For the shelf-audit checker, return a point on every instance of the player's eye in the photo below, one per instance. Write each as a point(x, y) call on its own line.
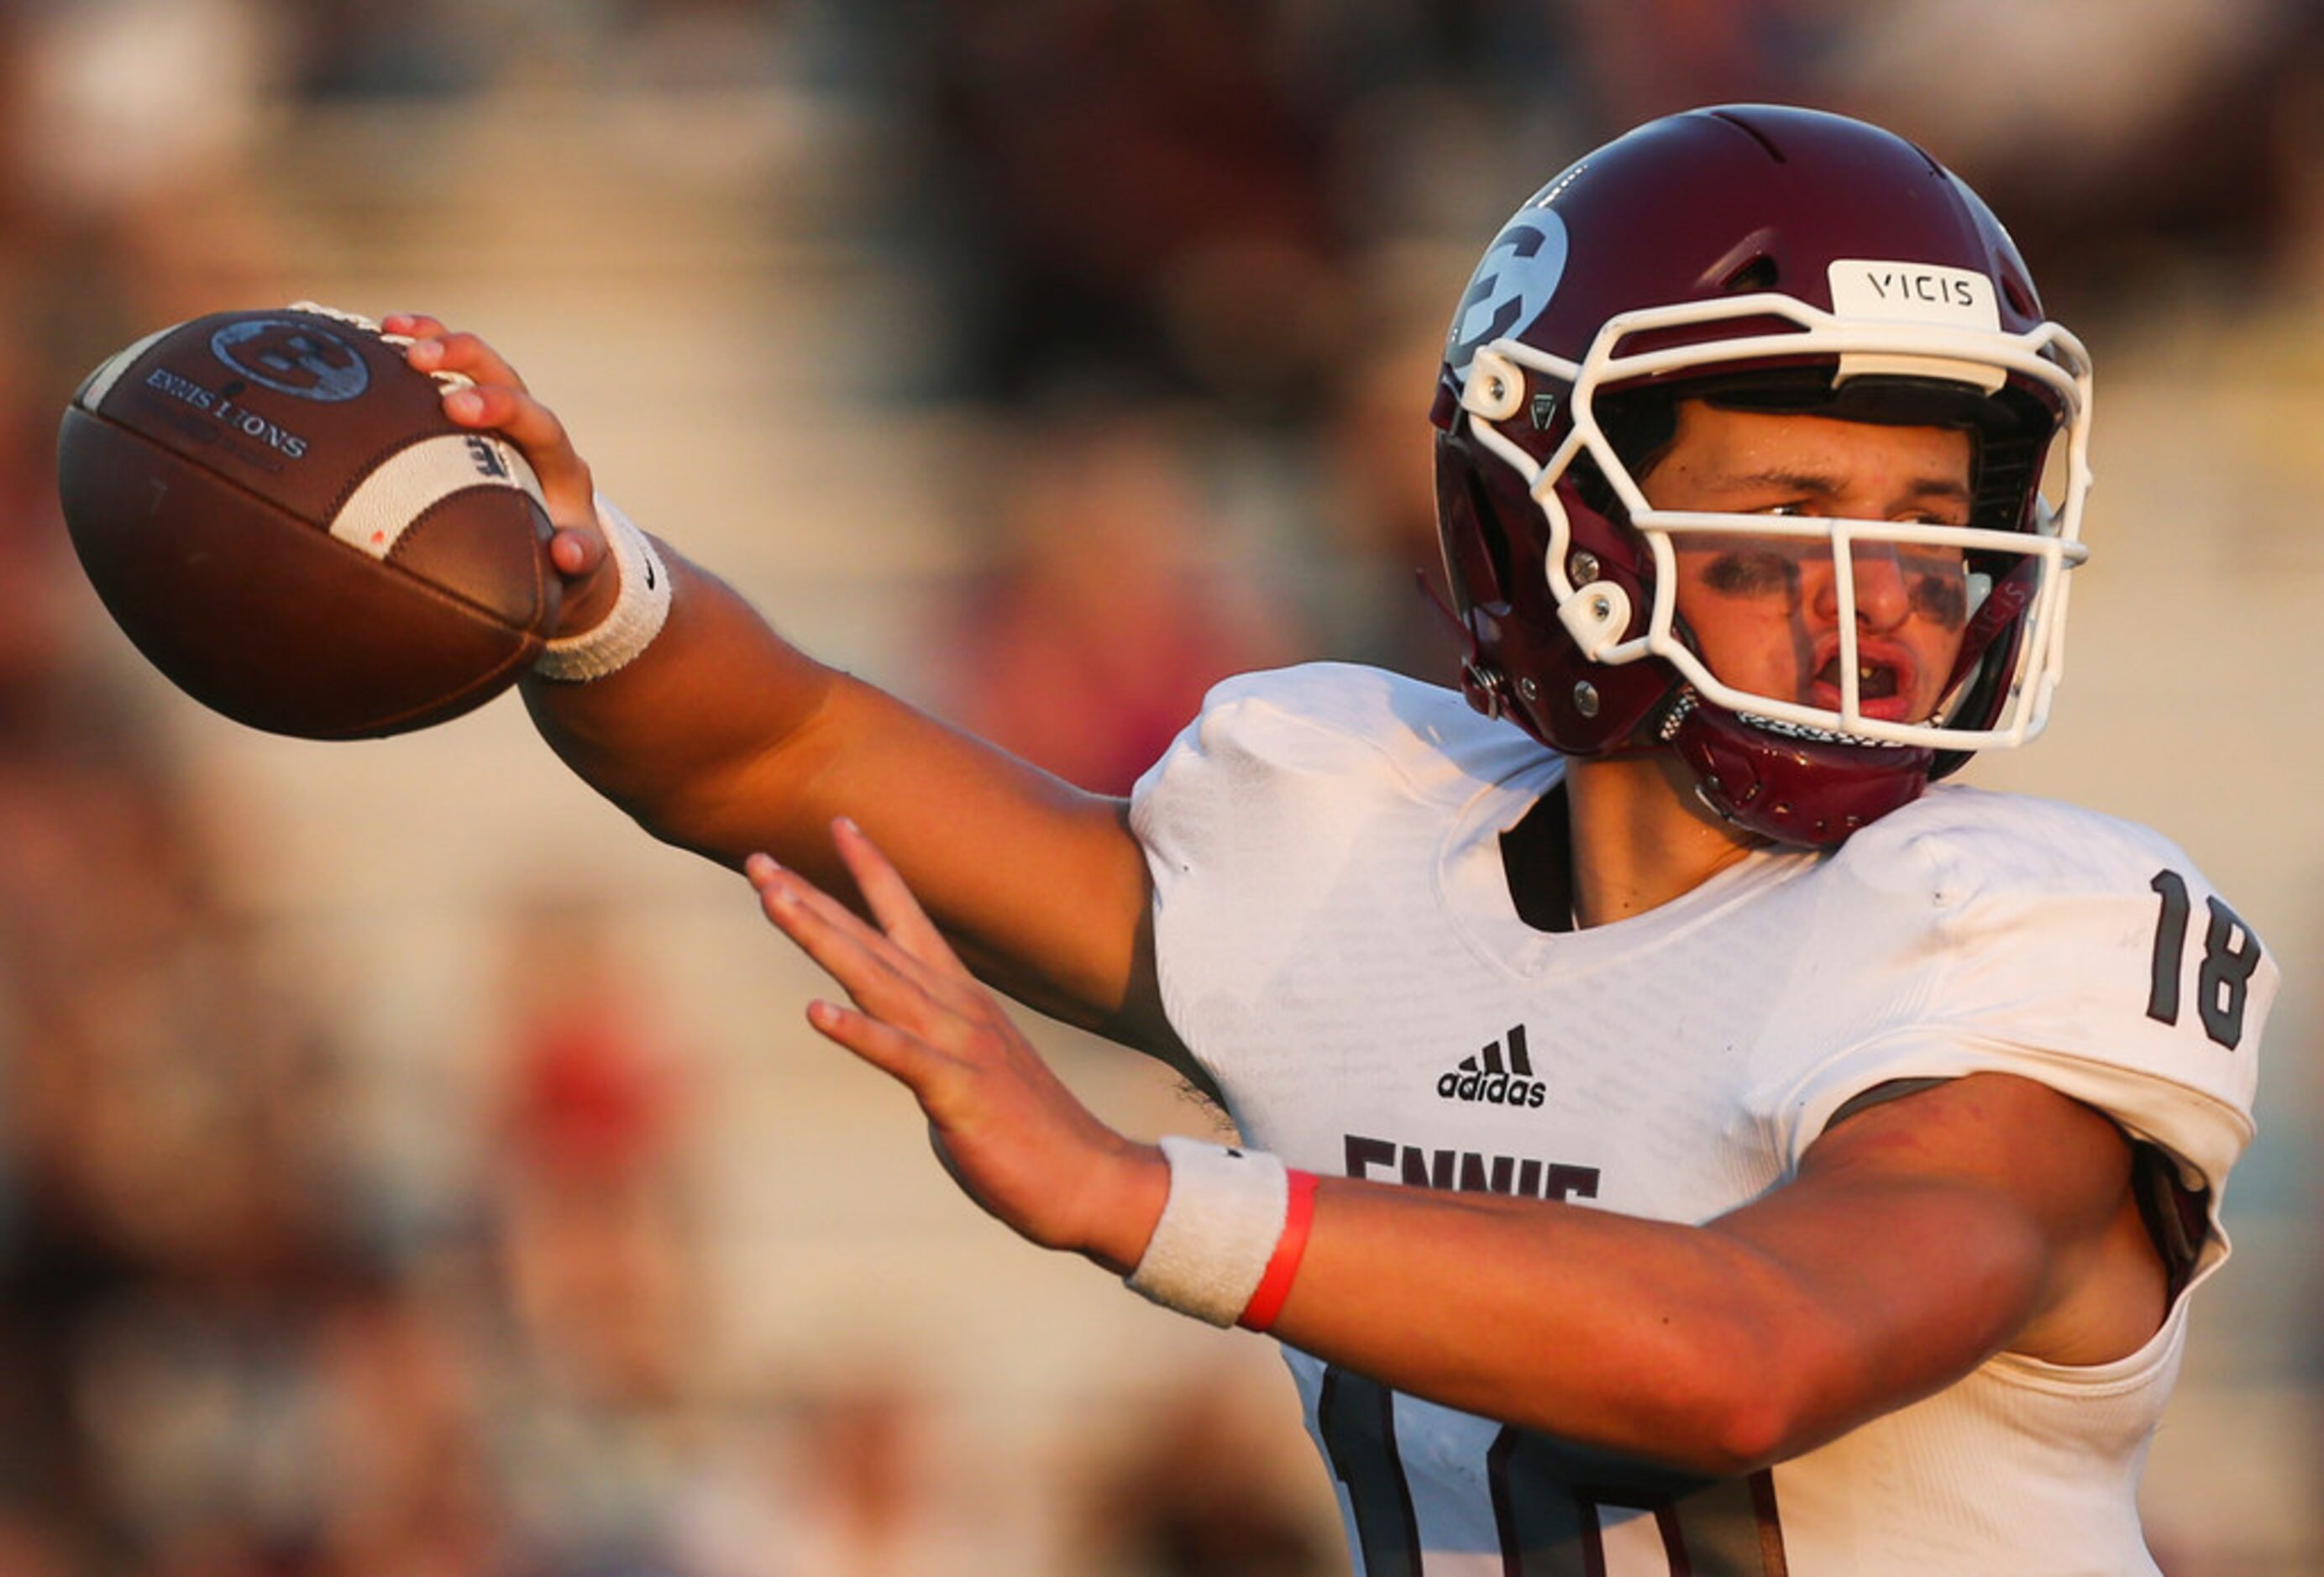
point(1944, 512)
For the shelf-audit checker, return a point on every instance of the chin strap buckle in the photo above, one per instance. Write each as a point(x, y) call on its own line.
point(1480, 682)
point(1487, 689)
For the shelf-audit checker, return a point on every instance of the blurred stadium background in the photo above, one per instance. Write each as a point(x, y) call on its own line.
point(406, 1167)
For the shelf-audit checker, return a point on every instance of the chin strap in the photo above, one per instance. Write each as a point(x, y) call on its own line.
point(1682, 702)
point(1796, 791)
point(2004, 606)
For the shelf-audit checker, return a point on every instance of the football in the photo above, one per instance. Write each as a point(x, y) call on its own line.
point(276, 510)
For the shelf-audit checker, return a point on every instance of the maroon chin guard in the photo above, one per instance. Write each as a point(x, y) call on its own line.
point(1808, 792)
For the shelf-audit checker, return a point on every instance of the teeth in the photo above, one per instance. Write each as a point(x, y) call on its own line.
point(1876, 680)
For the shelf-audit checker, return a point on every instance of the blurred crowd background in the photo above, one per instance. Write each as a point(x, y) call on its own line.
point(408, 1170)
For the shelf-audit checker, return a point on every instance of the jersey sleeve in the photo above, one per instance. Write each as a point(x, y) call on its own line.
point(1255, 781)
point(1286, 770)
point(2061, 947)
point(1279, 809)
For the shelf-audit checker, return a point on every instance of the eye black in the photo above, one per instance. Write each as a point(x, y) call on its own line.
point(1942, 599)
point(1750, 574)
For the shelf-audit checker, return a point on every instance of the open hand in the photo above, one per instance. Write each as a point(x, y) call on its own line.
point(1012, 1136)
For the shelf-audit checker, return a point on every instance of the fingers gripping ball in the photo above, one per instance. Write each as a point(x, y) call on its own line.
point(279, 514)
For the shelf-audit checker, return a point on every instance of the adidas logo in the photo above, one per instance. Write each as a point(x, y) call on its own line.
point(1483, 1077)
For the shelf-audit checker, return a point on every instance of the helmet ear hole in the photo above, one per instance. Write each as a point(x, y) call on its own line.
point(1494, 540)
point(1476, 547)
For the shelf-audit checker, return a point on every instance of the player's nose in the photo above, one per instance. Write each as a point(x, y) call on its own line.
point(1877, 578)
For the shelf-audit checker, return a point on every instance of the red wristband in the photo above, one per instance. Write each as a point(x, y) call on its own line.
point(1275, 1282)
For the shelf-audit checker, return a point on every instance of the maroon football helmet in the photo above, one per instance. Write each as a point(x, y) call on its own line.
point(1771, 258)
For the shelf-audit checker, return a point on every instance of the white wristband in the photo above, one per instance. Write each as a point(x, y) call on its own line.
point(1218, 1229)
point(641, 606)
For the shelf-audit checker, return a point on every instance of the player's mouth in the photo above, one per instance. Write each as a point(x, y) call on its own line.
point(1887, 680)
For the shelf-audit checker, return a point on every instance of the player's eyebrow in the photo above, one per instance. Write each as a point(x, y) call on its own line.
point(1822, 485)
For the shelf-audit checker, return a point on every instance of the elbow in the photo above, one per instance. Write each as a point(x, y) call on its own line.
point(1747, 1403)
point(1769, 1372)
point(1749, 1431)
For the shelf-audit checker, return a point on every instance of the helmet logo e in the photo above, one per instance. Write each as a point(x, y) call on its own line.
point(1512, 286)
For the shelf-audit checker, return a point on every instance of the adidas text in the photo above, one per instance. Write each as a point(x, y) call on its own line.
point(1487, 1079)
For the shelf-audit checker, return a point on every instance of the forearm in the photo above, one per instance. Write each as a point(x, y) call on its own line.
point(723, 738)
point(670, 736)
point(1639, 1337)
point(1714, 1348)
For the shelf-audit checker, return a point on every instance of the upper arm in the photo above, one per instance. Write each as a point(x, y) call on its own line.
point(1923, 1235)
point(725, 739)
point(2095, 1042)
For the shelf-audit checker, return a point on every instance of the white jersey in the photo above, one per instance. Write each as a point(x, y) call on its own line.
point(1337, 947)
